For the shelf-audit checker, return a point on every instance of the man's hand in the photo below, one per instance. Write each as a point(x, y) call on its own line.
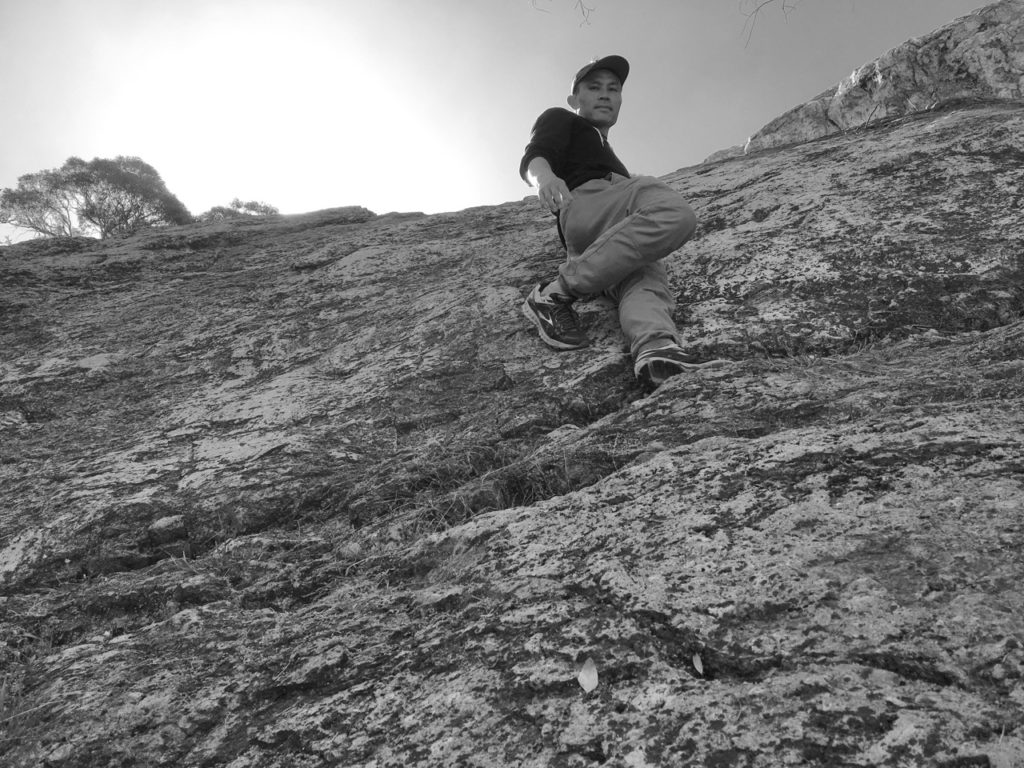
point(551, 190)
point(553, 194)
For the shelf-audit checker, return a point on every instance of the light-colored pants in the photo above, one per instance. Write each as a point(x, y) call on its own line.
point(616, 232)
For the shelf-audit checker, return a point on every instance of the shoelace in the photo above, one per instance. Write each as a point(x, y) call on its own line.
point(563, 316)
point(667, 355)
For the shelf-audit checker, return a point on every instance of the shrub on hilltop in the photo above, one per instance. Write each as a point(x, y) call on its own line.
point(236, 210)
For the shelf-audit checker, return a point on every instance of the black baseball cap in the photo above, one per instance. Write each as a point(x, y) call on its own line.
point(616, 64)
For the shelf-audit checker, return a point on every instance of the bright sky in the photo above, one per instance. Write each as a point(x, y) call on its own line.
point(408, 105)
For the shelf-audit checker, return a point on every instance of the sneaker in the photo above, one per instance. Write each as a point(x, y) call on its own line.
point(654, 366)
point(556, 320)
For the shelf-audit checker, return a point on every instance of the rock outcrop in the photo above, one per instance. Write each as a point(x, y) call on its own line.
point(977, 56)
point(308, 491)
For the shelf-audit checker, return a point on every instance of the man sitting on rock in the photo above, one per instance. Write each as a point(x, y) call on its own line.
point(615, 228)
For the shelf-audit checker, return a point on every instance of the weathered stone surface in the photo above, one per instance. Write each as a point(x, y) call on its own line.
point(874, 233)
point(309, 491)
point(978, 56)
point(725, 154)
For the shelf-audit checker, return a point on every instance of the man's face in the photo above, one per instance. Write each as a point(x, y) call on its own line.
point(598, 98)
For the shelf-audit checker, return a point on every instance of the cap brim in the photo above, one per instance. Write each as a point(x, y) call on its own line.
point(617, 65)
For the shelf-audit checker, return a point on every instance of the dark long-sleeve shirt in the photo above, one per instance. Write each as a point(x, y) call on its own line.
point(575, 149)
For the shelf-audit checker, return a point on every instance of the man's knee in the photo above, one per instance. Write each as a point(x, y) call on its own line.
point(685, 222)
point(677, 220)
point(675, 216)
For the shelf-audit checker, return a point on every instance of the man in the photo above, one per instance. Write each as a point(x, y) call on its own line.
point(616, 229)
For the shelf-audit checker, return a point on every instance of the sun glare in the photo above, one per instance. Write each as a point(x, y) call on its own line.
point(267, 103)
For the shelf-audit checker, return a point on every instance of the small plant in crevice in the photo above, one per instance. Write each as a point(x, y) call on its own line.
point(519, 483)
point(21, 715)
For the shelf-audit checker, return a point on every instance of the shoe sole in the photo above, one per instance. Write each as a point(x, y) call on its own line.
point(648, 381)
point(553, 343)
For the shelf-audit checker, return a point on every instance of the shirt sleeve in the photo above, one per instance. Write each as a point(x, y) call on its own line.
point(549, 139)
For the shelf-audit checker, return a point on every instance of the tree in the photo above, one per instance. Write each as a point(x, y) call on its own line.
point(42, 202)
point(103, 197)
point(122, 195)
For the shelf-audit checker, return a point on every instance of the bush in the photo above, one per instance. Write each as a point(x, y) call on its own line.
point(236, 210)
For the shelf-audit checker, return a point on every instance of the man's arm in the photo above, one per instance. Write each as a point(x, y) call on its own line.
point(551, 190)
point(549, 143)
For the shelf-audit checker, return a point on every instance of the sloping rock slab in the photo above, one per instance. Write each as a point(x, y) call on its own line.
point(978, 56)
point(309, 491)
point(843, 589)
point(911, 223)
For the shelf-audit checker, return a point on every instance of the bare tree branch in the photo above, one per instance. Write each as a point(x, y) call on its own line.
point(584, 10)
point(752, 8)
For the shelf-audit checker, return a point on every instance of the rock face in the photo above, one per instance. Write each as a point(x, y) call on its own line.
point(977, 56)
point(308, 491)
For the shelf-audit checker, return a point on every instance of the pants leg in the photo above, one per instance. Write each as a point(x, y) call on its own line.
point(645, 304)
point(612, 228)
point(616, 233)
